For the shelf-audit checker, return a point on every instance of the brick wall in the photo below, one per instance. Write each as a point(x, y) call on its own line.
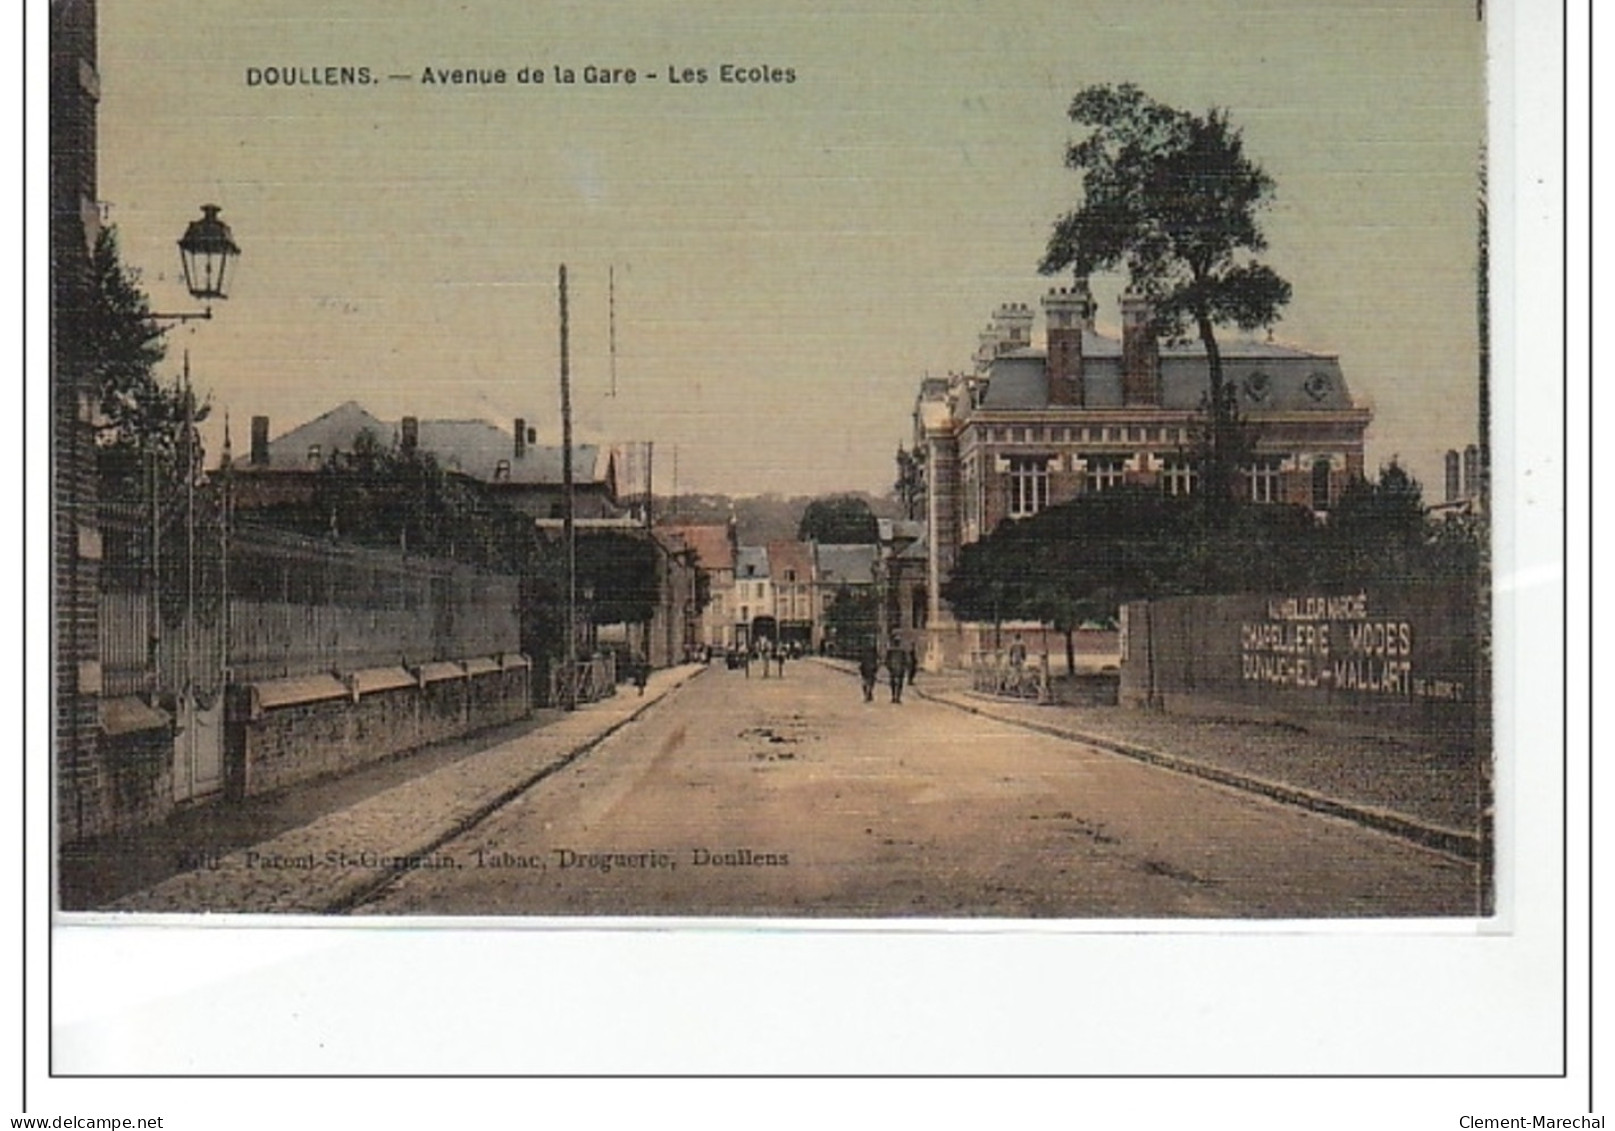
point(84, 782)
point(129, 785)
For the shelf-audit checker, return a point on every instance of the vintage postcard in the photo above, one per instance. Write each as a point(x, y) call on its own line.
point(992, 467)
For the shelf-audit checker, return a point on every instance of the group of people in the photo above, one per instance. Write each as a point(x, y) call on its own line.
point(900, 663)
point(765, 651)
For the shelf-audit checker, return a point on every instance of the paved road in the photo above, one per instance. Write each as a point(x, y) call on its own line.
point(752, 797)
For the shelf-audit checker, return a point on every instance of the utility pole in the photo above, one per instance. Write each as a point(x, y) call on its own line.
point(650, 483)
point(611, 312)
point(568, 532)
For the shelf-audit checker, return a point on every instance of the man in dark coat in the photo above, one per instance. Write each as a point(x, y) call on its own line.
point(896, 669)
point(868, 669)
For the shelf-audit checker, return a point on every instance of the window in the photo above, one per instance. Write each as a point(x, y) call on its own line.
point(1104, 472)
point(1028, 485)
point(1019, 435)
point(314, 455)
point(1320, 485)
point(501, 471)
point(790, 575)
point(1263, 477)
point(1179, 476)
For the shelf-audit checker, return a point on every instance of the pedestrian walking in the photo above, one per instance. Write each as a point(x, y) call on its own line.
point(896, 670)
point(868, 670)
point(641, 673)
point(913, 665)
point(779, 658)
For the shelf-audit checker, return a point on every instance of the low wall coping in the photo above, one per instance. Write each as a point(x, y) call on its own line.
point(298, 689)
point(380, 679)
point(482, 665)
point(509, 660)
point(127, 714)
point(441, 670)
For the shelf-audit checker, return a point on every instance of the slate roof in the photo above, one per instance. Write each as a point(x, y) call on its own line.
point(751, 563)
point(472, 447)
point(917, 551)
point(899, 529)
point(1269, 377)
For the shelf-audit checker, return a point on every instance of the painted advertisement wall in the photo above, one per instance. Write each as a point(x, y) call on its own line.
point(1396, 657)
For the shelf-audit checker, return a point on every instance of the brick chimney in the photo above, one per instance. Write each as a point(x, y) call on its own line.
point(521, 438)
point(409, 435)
point(258, 454)
point(1067, 312)
point(1141, 353)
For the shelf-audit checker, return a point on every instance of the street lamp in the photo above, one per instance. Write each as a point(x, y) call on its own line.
point(207, 252)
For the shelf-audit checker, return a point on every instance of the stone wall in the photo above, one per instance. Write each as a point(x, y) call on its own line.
point(281, 732)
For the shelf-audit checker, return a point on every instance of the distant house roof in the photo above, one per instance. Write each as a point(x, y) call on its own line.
point(710, 543)
point(841, 564)
point(472, 447)
point(788, 558)
point(900, 529)
point(751, 562)
point(917, 550)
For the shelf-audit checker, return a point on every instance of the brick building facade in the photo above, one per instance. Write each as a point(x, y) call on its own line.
point(1033, 427)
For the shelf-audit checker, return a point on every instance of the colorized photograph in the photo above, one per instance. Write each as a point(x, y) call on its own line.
point(796, 462)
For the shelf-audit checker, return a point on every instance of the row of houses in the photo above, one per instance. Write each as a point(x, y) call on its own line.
point(780, 591)
point(784, 591)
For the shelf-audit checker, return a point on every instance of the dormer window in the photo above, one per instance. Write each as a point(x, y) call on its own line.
point(501, 471)
point(314, 455)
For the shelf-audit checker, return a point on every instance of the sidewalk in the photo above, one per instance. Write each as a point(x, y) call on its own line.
point(335, 860)
point(1413, 790)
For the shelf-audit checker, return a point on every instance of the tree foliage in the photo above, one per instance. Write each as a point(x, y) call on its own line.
point(147, 434)
point(1082, 559)
point(838, 520)
point(1172, 198)
point(852, 620)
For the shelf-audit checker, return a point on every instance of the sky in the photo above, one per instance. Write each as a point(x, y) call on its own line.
point(790, 257)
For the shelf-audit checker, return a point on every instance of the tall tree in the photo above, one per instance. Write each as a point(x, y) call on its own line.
point(143, 421)
point(1172, 197)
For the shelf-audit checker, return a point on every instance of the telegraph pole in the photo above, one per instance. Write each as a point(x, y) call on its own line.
point(568, 532)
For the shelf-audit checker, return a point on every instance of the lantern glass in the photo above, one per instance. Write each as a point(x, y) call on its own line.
point(206, 253)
